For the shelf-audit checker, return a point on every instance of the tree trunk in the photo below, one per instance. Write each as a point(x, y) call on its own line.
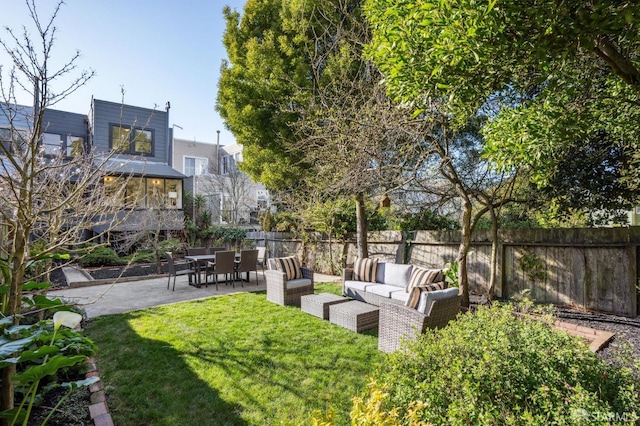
point(361, 228)
point(7, 397)
point(15, 298)
point(494, 252)
point(465, 243)
point(332, 267)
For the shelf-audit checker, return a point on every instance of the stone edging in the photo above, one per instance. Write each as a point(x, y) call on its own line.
point(79, 284)
point(98, 409)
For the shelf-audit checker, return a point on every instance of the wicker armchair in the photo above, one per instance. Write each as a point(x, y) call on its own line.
point(399, 322)
point(285, 292)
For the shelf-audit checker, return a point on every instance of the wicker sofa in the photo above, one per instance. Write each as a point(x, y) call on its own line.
point(391, 284)
point(398, 323)
point(434, 308)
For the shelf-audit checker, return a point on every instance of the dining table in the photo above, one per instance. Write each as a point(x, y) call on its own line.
point(200, 261)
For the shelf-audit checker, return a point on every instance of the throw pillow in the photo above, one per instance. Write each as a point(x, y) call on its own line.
point(290, 266)
point(365, 270)
point(422, 279)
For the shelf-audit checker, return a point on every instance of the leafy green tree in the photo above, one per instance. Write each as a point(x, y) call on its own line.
point(551, 73)
point(309, 109)
point(546, 74)
point(266, 63)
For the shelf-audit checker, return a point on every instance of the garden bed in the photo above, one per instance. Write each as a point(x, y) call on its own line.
point(137, 270)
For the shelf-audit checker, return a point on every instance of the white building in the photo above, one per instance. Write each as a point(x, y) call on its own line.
point(231, 196)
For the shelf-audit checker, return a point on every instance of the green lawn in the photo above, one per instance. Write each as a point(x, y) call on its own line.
point(236, 360)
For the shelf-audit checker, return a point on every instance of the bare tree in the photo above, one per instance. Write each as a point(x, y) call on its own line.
point(49, 201)
point(236, 192)
point(151, 226)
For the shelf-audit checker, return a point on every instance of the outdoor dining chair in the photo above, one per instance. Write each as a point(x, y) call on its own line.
point(248, 262)
point(173, 272)
point(224, 264)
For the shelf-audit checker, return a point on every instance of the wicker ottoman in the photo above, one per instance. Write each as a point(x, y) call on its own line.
point(354, 315)
point(318, 304)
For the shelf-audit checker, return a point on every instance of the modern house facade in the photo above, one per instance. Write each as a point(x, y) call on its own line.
point(131, 149)
point(232, 198)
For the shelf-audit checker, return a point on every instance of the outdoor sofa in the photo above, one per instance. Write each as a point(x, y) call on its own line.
point(411, 298)
point(390, 283)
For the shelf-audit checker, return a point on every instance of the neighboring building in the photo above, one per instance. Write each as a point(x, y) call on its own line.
point(141, 137)
point(211, 170)
point(193, 158)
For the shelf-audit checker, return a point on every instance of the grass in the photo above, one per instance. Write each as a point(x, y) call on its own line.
point(230, 360)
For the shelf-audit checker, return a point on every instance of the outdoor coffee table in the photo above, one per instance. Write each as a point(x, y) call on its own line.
point(318, 304)
point(354, 315)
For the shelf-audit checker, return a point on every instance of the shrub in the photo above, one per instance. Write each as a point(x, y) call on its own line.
point(99, 256)
point(145, 256)
point(173, 245)
point(495, 368)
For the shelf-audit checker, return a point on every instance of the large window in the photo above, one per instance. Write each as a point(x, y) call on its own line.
point(195, 166)
point(74, 146)
point(51, 143)
point(13, 139)
point(139, 192)
point(131, 141)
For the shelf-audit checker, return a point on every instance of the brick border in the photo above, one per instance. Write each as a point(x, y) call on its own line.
point(597, 339)
point(98, 409)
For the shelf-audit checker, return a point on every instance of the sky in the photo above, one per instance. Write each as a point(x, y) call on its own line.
point(154, 50)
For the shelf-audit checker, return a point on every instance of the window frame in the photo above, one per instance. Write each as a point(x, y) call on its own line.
point(132, 139)
point(196, 162)
point(72, 148)
point(46, 140)
point(139, 193)
point(17, 137)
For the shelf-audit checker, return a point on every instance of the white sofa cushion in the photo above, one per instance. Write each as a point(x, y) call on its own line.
point(384, 290)
point(397, 274)
point(357, 285)
point(428, 297)
point(300, 282)
point(400, 295)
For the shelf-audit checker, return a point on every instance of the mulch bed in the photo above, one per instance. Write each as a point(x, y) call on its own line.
point(110, 272)
point(138, 270)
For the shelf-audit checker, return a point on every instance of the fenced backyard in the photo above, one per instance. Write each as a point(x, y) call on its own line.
point(586, 268)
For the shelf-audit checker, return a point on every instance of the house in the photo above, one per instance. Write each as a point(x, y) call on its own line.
point(131, 147)
point(141, 138)
point(211, 169)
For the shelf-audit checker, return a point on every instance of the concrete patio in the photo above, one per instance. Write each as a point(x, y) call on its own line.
point(125, 296)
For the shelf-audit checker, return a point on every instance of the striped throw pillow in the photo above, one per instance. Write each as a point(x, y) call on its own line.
point(422, 279)
point(365, 270)
point(290, 266)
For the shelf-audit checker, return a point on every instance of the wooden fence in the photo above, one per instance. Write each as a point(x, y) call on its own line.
point(593, 269)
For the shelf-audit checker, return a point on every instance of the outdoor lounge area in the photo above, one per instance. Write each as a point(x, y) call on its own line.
point(245, 358)
point(465, 173)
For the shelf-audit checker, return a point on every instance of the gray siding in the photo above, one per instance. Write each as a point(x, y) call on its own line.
point(64, 124)
point(20, 115)
point(107, 113)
